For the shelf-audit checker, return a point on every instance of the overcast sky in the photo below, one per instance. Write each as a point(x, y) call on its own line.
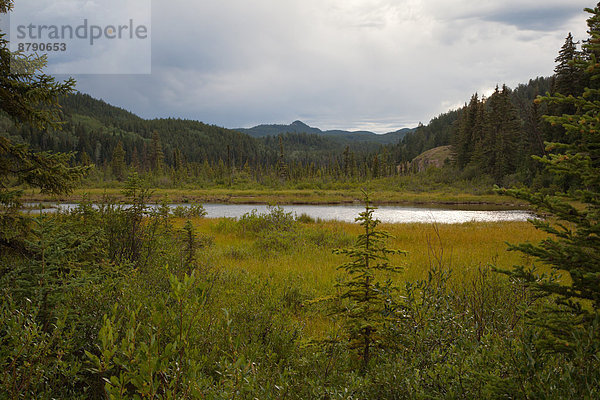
point(353, 64)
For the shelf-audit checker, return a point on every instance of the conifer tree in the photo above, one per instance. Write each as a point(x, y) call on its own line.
point(364, 314)
point(282, 168)
point(502, 132)
point(156, 153)
point(568, 76)
point(573, 247)
point(375, 167)
point(590, 53)
point(464, 139)
point(135, 160)
point(85, 159)
point(569, 79)
point(190, 244)
point(118, 161)
point(347, 166)
point(29, 97)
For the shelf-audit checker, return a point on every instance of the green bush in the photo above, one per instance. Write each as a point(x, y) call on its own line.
point(274, 220)
point(191, 211)
point(305, 219)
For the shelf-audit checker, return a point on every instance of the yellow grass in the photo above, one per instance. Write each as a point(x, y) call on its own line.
point(299, 196)
point(464, 247)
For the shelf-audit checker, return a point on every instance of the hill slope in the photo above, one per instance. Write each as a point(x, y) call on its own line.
point(337, 135)
point(93, 128)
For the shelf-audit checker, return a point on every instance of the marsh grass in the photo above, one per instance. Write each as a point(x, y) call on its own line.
point(304, 255)
point(466, 248)
point(306, 265)
point(385, 195)
point(242, 323)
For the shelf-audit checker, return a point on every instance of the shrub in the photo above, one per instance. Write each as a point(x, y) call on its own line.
point(275, 219)
point(305, 219)
point(192, 211)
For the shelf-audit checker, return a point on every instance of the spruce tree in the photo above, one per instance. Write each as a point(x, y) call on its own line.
point(347, 165)
point(27, 95)
point(32, 98)
point(156, 154)
point(282, 167)
point(568, 76)
point(572, 219)
point(362, 297)
point(502, 133)
point(118, 161)
point(569, 80)
point(589, 52)
point(464, 140)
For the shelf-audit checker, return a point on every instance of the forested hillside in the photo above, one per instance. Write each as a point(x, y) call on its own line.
point(340, 136)
point(121, 298)
point(485, 129)
point(115, 140)
point(493, 140)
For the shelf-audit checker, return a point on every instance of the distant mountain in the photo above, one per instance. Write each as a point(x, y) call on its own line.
point(274, 129)
point(337, 135)
point(93, 128)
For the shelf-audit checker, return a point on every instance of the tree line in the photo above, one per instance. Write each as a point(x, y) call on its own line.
point(493, 136)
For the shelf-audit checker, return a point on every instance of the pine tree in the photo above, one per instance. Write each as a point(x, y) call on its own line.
point(590, 53)
point(499, 152)
point(190, 245)
point(135, 161)
point(569, 79)
point(85, 159)
point(347, 165)
point(29, 97)
point(282, 168)
point(532, 142)
point(465, 137)
point(375, 166)
point(98, 153)
point(568, 76)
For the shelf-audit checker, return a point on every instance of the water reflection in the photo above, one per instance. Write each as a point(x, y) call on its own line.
point(348, 213)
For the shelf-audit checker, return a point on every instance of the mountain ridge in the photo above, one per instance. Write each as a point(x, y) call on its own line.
point(263, 130)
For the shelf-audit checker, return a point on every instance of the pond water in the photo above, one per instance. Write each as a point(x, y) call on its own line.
point(348, 213)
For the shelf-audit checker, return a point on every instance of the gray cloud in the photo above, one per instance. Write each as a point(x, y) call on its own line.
point(354, 64)
point(538, 19)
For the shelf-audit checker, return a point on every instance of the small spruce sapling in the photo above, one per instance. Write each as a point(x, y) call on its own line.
point(363, 299)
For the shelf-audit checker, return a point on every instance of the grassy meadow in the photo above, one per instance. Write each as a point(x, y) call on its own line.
point(434, 187)
point(164, 303)
point(463, 247)
point(305, 259)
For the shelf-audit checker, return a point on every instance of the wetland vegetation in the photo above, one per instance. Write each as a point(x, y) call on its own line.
point(114, 299)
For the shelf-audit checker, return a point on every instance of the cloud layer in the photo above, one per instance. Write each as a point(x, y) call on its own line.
point(352, 64)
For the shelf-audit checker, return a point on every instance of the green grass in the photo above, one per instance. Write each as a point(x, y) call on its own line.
point(250, 320)
point(286, 196)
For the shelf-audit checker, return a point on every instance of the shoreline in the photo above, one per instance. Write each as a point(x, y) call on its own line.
point(284, 197)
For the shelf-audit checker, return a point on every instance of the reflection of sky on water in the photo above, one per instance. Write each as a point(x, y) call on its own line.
point(348, 213)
